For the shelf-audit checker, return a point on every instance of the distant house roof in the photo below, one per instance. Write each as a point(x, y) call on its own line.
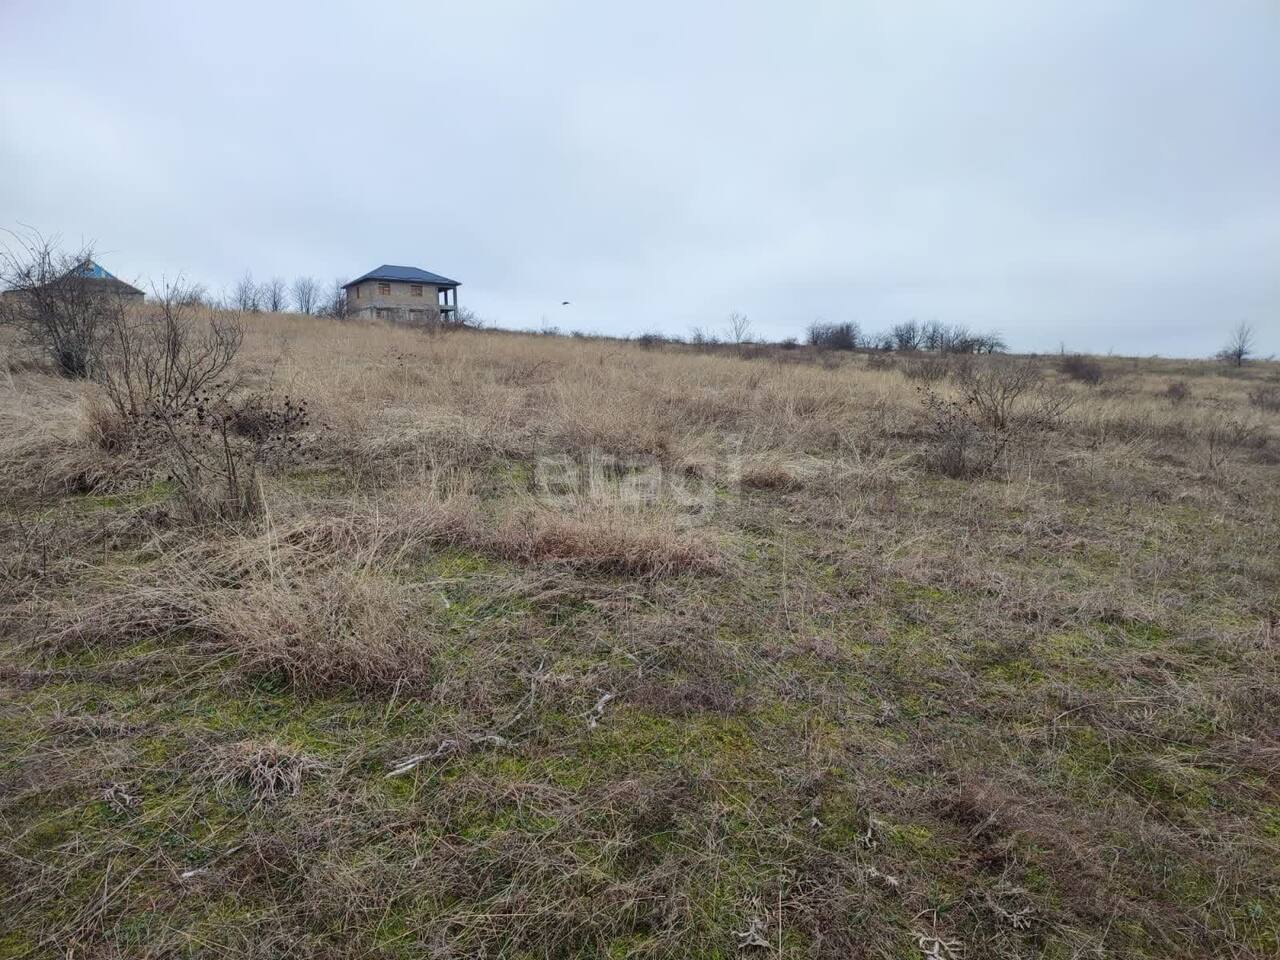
point(106, 280)
point(405, 275)
point(95, 271)
point(96, 278)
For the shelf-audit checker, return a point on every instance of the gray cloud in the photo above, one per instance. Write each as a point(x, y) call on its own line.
point(1099, 173)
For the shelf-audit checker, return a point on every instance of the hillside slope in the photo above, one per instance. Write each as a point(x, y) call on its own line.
point(569, 648)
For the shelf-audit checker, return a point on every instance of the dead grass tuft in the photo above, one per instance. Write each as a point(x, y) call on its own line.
point(269, 770)
point(603, 539)
point(766, 474)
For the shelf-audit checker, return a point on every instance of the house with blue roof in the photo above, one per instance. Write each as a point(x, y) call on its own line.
point(402, 295)
point(87, 276)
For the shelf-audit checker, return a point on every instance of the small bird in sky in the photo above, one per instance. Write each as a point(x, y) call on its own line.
point(564, 303)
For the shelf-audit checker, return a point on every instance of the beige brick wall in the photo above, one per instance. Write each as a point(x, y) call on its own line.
point(401, 295)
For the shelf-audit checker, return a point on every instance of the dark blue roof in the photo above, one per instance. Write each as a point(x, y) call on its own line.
point(404, 274)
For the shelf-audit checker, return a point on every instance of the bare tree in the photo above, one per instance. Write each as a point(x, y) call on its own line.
point(168, 354)
point(247, 295)
point(275, 297)
point(992, 342)
point(907, 336)
point(335, 305)
point(834, 336)
point(1240, 347)
point(739, 328)
point(932, 335)
point(193, 294)
point(52, 303)
point(956, 338)
point(306, 293)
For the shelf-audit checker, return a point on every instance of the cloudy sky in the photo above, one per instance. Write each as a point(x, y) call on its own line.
point(1104, 174)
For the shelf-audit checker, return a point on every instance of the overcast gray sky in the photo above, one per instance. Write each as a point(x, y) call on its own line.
point(1101, 173)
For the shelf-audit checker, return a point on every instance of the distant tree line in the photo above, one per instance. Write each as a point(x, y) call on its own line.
point(906, 337)
point(304, 295)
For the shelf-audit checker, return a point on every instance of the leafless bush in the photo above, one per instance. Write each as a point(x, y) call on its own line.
point(1002, 403)
point(464, 318)
point(962, 443)
point(215, 449)
point(927, 369)
point(651, 339)
point(1081, 368)
point(703, 340)
point(995, 391)
point(1265, 398)
point(262, 416)
point(163, 356)
point(52, 304)
point(1177, 392)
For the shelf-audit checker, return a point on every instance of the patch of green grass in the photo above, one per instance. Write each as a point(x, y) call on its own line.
point(156, 492)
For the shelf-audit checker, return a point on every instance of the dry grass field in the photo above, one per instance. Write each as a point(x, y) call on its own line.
point(543, 647)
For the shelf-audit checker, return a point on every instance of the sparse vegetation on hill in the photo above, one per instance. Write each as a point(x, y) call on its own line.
point(529, 646)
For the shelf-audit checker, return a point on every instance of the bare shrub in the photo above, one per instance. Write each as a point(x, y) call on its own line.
point(1081, 368)
point(996, 391)
point(163, 356)
point(703, 340)
point(1266, 398)
point(1177, 392)
point(215, 448)
point(962, 443)
point(52, 304)
point(463, 318)
point(926, 369)
point(263, 416)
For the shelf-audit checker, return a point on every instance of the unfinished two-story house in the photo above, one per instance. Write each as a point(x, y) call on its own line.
point(403, 295)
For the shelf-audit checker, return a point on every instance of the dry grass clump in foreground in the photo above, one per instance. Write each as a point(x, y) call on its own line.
point(578, 649)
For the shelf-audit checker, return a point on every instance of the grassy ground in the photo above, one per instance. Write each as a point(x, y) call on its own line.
point(570, 648)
